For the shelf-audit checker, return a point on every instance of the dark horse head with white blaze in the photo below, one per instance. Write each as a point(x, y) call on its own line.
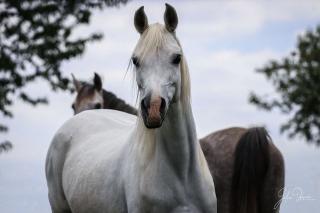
point(158, 59)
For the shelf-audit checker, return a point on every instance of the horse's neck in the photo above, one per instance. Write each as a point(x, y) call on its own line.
point(111, 101)
point(174, 143)
point(177, 139)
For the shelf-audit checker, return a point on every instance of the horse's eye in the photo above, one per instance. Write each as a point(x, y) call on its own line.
point(176, 59)
point(97, 106)
point(135, 61)
point(73, 107)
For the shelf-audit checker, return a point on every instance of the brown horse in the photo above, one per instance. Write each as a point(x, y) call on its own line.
point(93, 96)
point(247, 168)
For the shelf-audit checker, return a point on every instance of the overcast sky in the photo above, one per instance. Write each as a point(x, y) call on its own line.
point(224, 41)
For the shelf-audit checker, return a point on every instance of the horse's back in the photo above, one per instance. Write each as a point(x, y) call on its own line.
point(102, 121)
point(93, 130)
point(82, 145)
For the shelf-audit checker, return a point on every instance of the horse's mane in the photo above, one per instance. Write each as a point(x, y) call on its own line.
point(153, 39)
point(111, 101)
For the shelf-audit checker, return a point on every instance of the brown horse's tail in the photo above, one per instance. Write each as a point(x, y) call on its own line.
point(250, 167)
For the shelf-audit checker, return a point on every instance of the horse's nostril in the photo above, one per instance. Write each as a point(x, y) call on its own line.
point(144, 105)
point(163, 105)
point(97, 106)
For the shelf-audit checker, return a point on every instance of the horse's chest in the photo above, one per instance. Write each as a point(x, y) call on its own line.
point(167, 197)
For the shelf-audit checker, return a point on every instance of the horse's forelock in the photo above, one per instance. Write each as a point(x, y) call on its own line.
point(86, 90)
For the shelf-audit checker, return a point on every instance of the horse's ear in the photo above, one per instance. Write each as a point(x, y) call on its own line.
point(170, 18)
point(140, 20)
point(76, 83)
point(97, 82)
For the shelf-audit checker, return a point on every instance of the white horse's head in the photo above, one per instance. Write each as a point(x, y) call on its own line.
point(161, 71)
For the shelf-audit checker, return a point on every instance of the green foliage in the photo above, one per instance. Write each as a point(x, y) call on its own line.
point(296, 79)
point(35, 38)
point(5, 146)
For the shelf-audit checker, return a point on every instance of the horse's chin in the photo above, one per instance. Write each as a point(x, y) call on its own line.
point(153, 125)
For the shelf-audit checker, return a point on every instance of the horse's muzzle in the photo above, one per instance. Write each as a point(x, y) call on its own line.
point(153, 111)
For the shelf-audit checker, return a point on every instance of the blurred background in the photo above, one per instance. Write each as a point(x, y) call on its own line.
point(251, 63)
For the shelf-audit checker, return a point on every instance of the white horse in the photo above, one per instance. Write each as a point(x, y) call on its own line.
point(110, 161)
